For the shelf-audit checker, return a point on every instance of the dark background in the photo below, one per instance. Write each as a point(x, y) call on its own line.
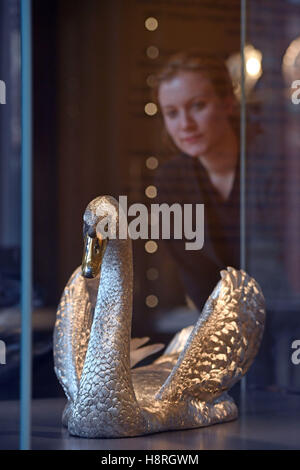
point(92, 137)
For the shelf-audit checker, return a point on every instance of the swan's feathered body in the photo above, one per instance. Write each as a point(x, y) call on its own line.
point(186, 387)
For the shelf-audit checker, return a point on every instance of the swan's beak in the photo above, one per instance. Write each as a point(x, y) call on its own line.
point(93, 253)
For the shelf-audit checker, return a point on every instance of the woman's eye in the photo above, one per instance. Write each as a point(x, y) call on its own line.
point(171, 114)
point(199, 105)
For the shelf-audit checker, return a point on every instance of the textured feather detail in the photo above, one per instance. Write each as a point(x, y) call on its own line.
point(223, 343)
point(71, 333)
point(179, 341)
point(186, 387)
point(137, 354)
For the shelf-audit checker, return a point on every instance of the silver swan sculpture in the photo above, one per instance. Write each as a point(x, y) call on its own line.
point(186, 387)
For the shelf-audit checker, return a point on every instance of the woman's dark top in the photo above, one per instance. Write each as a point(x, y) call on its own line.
point(184, 180)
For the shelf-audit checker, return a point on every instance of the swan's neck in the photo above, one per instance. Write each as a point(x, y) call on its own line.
point(106, 377)
point(111, 328)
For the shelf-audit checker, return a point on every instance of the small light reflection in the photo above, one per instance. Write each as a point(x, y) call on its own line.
point(253, 67)
point(152, 274)
point(151, 191)
point(150, 109)
point(151, 301)
point(152, 52)
point(151, 23)
point(291, 62)
point(151, 80)
point(152, 163)
point(151, 246)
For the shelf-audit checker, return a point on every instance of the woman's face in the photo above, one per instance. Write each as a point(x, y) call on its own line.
point(196, 118)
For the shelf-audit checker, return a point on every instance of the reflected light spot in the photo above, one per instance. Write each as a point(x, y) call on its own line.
point(151, 23)
point(152, 52)
point(151, 301)
point(152, 163)
point(151, 191)
point(150, 109)
point(253, 67)
point(152, 274)
point(291, 62)
point(151, 80)
point(151, 246)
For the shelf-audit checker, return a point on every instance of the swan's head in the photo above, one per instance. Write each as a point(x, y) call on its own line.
point(100, 222)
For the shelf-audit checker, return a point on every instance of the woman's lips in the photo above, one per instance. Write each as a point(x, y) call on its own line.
point(191, 139)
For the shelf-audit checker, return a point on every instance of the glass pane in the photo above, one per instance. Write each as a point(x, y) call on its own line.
point(111, 138)
point(177, 281)
point(272, 65)
point(113, 115)
point(10, 214)
point(104, 134)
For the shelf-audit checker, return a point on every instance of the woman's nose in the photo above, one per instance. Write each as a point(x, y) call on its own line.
point(186, 120)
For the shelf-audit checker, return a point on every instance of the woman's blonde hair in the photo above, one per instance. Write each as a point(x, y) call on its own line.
point(195, 61)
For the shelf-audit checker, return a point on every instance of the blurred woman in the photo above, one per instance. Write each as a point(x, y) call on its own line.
point(198, 107)
point(200, 117)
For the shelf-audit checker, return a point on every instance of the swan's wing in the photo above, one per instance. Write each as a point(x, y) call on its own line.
point(137, 353)
point(178, 343)
point(223, 343)
point(71, 333)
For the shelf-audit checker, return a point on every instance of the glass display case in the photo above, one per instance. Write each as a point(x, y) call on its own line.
point(100, 128)
point(10, 208)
